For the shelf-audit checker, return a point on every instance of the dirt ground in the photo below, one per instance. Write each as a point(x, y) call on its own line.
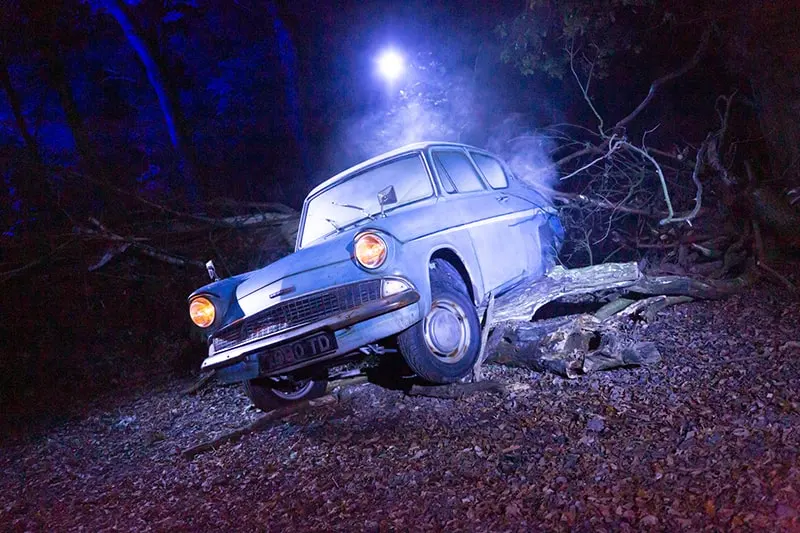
point(706, 440)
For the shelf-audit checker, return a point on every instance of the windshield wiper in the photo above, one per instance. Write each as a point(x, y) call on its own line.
point(359, 208)
point(334, 224)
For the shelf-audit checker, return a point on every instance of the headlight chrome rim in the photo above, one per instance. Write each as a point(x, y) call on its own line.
point(202, 311)
point(366, 258)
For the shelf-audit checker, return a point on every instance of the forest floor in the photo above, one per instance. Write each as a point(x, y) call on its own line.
point(707, 439)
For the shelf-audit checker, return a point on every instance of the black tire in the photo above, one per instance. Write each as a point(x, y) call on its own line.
point(266, 394)
point(447, 290)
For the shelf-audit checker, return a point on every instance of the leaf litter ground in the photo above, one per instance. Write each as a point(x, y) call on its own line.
point(708, 439)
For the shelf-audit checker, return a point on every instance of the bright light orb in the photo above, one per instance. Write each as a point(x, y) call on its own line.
point(391, 65)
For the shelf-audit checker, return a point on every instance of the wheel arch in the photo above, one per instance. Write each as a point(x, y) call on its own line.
point(454, 258)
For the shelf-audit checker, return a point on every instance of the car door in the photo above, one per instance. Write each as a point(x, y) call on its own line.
point(531, 218)
point(486, 214)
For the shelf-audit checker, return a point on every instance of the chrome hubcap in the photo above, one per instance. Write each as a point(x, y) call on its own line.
point(296, 392)
point(446, 331)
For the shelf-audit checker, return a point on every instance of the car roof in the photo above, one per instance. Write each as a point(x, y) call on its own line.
point(407, 149)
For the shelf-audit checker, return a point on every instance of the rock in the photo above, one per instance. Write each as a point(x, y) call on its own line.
point(596, 424)
point(648, 520)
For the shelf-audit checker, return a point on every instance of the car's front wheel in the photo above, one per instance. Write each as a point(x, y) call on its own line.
point(444, 346)
point(270, 393)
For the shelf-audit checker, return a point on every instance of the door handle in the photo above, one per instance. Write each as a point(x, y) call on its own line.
point(502, 198)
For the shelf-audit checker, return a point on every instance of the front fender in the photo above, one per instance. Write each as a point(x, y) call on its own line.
point(222, 294)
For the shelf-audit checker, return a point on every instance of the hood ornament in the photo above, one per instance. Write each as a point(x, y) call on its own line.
point(285, 290)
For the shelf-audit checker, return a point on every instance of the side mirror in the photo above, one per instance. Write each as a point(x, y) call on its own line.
point(212, 271)
point(387, 197)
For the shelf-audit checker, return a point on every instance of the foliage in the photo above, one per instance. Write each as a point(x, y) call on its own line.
point(539, 40)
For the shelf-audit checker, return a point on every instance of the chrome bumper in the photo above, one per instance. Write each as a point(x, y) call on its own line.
point(331, 323)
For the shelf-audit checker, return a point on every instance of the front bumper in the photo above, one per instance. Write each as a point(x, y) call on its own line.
point(361, 316)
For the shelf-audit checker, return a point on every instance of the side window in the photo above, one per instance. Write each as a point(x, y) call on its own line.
point(456, 171)
point(492, 170)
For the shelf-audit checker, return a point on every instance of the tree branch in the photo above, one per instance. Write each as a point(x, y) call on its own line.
point(232, 222)
point(585, 89)
point(612, 147)
point(144, 249)
point(698, 197)
point(686, 67)
point(662, 179)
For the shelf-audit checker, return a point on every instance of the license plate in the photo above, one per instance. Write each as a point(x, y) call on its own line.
point(294, 352)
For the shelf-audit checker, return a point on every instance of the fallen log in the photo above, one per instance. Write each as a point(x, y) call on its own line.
point(648, 308)
point(199, 383)
point(120, 244)
point(525, 299)
point(579, 344)
point(568, 346)
point(260, 424)
point(338, 392)
point(456, 391)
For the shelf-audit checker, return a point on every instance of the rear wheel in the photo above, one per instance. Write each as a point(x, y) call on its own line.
point(270, 393)
point(444, 346)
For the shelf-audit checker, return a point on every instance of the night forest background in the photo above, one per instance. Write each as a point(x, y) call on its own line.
point(140, 138)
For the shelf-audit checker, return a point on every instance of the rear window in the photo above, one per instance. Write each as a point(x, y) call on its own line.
point(456, 171)
point(492, 170)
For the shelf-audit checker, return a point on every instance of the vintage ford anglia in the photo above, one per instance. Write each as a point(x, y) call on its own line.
point(400, 250)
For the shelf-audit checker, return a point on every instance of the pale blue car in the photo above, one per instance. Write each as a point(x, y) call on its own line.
point(401, 250)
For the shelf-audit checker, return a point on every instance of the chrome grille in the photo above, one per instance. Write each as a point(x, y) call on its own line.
point(297, 312)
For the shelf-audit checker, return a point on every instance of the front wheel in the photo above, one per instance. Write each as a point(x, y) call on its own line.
point(270, 393)
point(444, 346)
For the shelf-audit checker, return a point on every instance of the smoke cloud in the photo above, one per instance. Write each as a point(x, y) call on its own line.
point(526, 152)
point(441, 106)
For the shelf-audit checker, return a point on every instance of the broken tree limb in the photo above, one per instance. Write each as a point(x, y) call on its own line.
point(338, 392)
point(523, 302)
point(259, 424)
point(612, 308)
point(684, 286)
point(266, 219)
point(568, 346)
point(477, 373)
point(574, 345)
point(648, 308)
point(261, 206)
point(625, 278)
point(199, 383)
point(456, 391)
point(124, 243)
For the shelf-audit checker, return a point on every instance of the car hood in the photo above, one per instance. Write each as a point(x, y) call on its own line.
point(327, 252)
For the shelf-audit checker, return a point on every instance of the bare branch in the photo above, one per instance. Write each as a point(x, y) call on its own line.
point(686, 67)
point(131, 242)
point(665, 190)
point(698, 198)
point(230, 222)
point(612, 147)
point(585, 89)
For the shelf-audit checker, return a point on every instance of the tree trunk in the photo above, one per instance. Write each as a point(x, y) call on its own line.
point(167, 99)
point(60, 83)
point(287, 55)
point(780, 123)
point(31, 181)
point(16, 107)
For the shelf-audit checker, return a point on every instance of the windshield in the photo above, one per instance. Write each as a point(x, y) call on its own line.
point(334, 207)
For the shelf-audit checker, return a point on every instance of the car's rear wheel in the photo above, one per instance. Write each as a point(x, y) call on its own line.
point(270, 393)
point(444, 346)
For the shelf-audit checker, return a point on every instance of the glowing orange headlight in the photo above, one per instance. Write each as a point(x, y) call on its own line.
point(202, 312)
point(370, 250)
